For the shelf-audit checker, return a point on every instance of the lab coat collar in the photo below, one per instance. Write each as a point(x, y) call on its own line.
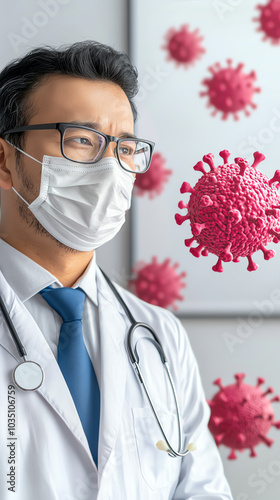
point(23, 274)
point(27, 278)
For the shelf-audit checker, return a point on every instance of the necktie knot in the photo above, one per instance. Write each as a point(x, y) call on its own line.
point(67, 302)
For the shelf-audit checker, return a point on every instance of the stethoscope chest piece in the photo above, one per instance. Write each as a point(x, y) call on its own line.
point(28, 376)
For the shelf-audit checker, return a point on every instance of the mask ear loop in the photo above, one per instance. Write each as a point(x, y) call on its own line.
point(19, 195)
point(26, 154)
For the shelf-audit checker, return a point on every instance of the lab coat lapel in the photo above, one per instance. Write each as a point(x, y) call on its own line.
point(113, 330)
point(54, 388)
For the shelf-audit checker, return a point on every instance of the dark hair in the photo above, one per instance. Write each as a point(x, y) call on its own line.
point(87, 59)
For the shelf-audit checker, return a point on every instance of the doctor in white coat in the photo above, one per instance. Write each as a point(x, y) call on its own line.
point(67, 166)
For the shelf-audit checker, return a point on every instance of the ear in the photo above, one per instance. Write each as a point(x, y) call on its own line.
point(5, 160)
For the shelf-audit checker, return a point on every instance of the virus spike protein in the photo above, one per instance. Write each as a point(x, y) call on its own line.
point(233, 211)
point(230, 90)
point(241, 416)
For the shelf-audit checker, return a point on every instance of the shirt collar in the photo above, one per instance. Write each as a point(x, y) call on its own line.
point(27, 278)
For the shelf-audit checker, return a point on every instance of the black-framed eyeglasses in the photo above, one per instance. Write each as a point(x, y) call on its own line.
point(83, 144)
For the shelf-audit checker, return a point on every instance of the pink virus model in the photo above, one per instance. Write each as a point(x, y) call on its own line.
point(158, 284)
point(152, 182)
point(183, 46)
point(233, 210)
point(269, 21)
point(230, 90)
point(242, 415)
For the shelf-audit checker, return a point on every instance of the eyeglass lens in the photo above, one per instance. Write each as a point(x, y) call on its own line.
point(83, 145)
point(134, 155)
point(86, 146)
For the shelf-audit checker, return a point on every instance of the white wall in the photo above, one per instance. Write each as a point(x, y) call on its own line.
point(258, 343)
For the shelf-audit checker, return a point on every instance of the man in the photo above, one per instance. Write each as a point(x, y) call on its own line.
point(85, 430)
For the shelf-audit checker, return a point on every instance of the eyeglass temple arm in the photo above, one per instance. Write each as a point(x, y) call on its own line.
point(45, 126)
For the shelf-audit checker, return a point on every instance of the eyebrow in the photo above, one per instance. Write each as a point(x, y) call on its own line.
point(96, 126)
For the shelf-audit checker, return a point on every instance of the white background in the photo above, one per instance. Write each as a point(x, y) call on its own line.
point(255, 343)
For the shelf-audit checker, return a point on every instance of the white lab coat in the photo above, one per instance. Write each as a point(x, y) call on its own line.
point(53, 461)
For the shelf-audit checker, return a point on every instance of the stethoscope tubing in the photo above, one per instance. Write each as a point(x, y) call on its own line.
point(20, 348)
point(171, 452)
point(134, 358)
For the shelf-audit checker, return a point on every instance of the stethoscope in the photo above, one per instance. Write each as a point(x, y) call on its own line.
point(29, 376)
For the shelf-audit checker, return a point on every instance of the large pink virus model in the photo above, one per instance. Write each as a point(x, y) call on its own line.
point(152, 182)
point(230, 90)
point(158, 284)
point(233, 210)
point(269, 21)
point(183, 46)
point(242, 415)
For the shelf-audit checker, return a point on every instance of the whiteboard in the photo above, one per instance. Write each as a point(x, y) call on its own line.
point(176, 117)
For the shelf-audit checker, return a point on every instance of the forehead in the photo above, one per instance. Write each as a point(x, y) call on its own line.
point(62, 98)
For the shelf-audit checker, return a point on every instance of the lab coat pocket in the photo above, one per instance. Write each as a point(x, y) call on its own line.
point(158, 468)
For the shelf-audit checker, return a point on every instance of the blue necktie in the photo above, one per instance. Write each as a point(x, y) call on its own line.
point(74, 361)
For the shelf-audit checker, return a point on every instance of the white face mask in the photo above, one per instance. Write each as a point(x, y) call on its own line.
point(82, 205)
